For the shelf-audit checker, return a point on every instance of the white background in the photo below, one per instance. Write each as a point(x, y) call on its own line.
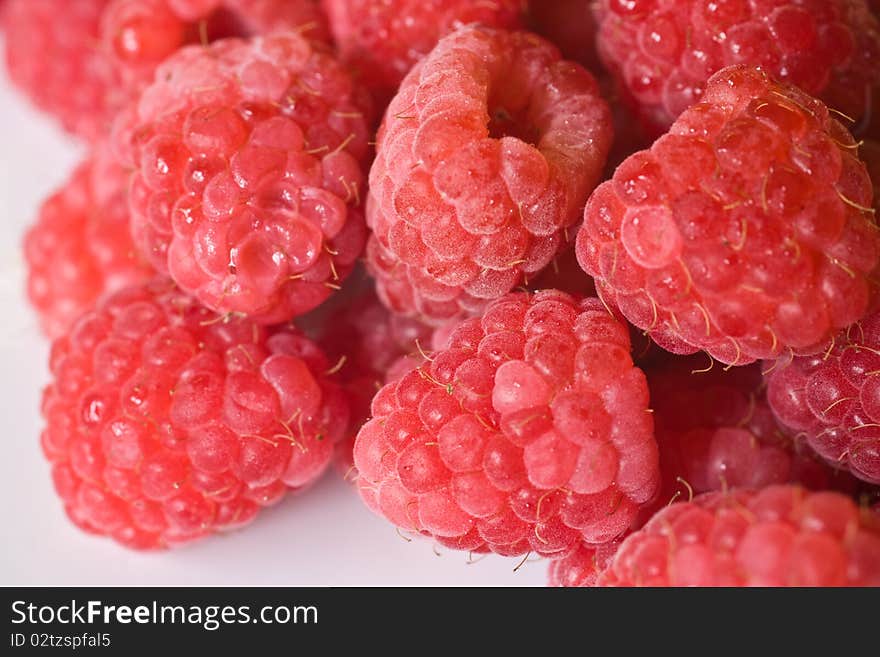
point(322, 537)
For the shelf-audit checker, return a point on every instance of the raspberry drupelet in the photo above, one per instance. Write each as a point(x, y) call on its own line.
point(777, 536)
point(528, 431)
point(250, 163)
point(384, 39)
point(80, 246)
point(484, 161)
point(746, 231)
point(165, 423)
point(662, 52)
point(84, 60)
point(832, 399)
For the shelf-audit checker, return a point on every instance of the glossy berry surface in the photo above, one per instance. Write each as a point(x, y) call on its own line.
point(165, 423)
point(528, 431)
point(249, 162)
point(484, 161)
point(80, 246)
point(777, 536)
point(383, 39)
point(746, 231)
point(833, 399)
point(663, 51)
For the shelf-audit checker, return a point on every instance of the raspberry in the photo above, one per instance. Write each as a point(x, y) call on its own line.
point(370, 347)
point(716, 431)
point(662, 52)
point(582, 567)
point(384, 39)
point(745, 231)
point(165, 424)
point(833, 399)
point(529, 430)
point(84, 60)
point(570, 25)
point(778, 536)
point(485, 159)
point(51, 56)
point(139, 34)
point(250, 159)
point(80, 247)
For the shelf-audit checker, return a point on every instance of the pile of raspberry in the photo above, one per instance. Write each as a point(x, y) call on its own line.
point(595, 283)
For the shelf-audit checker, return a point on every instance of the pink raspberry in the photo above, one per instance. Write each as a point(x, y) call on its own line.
point(165, 422)
point(84, 60)
point(528, 431)
point(716, 431)
point(484, 161)
point(778, 536)
point(384, 39)
point(250, 164)
point(663, 51)
point(582, 567)
point(833, 399)
point(370, 347)
point(80, 246)
point(745, 231)
point(139, 34)
point(51, 56)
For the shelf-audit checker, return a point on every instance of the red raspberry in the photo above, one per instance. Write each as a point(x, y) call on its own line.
point(745, 231)
point(833, 399)
point(528, 432)
point(384, 39)
point(250, 164)
point(716, 431)
point(51, 56)
point(663, 51)
point(485, 158)
point(140, 34)
point(165, 424)
point(570, 25)
point(778, 536)
point(84, 60)
point(582, 567)
point(80, 246)
point(370, 347)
